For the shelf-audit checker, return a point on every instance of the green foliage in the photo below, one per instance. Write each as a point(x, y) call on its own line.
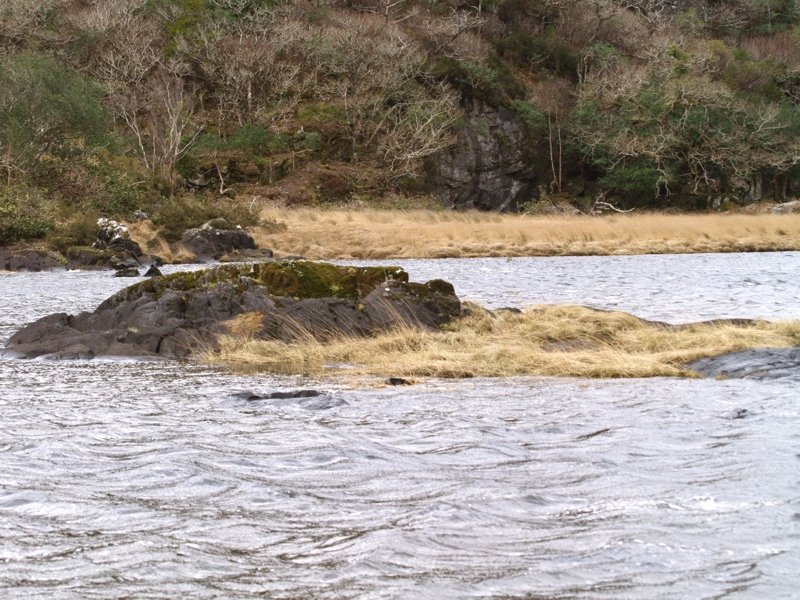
point(528, 50)
point(312, 141)
point(534, 119)
point(491, 81)
point(515, 13)
point(186, 18)
point(602, 56)
point(637, 182)
point(72, 230)
point(185, 212)
point(752, 76)
point(690, 21)
point(23, 215)
point(775, 15)
point(250, 139)
point(119, 194)
point(320, 114)
point(47, 108)
point(707, 136)
point(681, 59)
point(523, 48)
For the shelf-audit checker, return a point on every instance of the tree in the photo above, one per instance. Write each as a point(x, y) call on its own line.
point(160, 117)
point(663, 124)
point(246, 67)
point(46, 109)
point(20, 20)
point(381, 78)
point(554, 97)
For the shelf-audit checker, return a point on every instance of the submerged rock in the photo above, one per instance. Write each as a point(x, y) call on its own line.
point(175, 315)
point(761, 363)
point(126, 271)
point(290, 395)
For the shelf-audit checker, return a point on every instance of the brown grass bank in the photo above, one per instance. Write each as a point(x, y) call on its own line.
point(364, 233)
point(546, 340)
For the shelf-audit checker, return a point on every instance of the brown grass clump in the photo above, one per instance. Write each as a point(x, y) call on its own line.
point(149, 237)
point(365, 233)
point(566, 341)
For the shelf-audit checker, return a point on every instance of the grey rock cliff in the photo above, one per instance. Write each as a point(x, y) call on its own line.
point(487, 168)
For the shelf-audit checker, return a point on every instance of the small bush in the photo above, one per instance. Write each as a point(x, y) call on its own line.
point(636, 183)
point(23, 215)
point(73, 230)
point(312, 141)
point(185, 212)
point(533, 118)
point(491, 81)
point(320, 114)
point(250, 139)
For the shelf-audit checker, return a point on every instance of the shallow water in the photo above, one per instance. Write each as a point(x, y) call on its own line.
point(153, 479)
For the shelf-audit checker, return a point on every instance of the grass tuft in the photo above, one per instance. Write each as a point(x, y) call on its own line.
point(563, 341)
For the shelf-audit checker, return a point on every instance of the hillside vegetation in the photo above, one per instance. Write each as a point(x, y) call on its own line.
point(194, 109)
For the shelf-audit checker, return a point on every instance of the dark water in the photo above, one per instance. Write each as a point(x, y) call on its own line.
point(152, 479)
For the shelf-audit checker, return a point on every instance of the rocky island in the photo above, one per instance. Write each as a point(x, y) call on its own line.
point(175, 315)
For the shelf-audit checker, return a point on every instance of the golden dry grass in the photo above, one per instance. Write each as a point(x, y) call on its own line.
point(366, 233)
point(546, 340)
point(148, 236)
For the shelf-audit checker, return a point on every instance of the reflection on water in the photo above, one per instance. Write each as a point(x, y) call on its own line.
point(157, 479)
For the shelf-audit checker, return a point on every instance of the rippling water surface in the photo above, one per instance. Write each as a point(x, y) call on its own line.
point(154, 479)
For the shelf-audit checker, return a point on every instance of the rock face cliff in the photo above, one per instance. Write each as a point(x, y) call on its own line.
point(175, 315)
point(487, 168)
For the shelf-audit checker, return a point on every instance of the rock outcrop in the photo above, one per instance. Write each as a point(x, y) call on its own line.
point(209, 242)
point(30, 260)
point(113, 257)
point(175, 315)
point(759, 363)
point(488, 168)
point(113, 249)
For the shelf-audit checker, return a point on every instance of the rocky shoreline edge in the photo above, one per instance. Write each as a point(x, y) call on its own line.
point(115, 250)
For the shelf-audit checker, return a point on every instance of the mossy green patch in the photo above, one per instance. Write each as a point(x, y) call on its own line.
point(305, 279)
point(295, 279)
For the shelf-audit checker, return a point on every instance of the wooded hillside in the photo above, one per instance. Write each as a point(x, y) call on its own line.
point(175, 106)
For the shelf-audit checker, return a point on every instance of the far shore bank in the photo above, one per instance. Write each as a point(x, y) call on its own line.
point(321, 234)
point(335, 233)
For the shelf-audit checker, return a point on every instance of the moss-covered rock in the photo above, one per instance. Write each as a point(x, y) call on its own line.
point(177, 314)
point(292, 279)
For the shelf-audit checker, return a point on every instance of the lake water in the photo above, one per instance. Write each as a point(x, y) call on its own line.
point(153, 479)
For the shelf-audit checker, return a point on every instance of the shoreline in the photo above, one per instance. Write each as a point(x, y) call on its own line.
point(338, 234)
